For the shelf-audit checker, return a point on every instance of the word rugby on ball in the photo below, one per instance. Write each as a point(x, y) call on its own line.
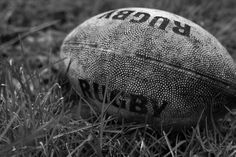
point(148, 65)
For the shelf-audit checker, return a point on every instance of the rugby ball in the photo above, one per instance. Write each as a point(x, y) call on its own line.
point(149, 66)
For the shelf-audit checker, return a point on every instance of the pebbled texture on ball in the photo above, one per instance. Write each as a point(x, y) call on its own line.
point(165, 69)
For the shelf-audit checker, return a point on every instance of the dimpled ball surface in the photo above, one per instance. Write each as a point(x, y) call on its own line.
point(153, 66)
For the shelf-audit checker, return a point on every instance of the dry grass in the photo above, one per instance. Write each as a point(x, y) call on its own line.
point(35, 117)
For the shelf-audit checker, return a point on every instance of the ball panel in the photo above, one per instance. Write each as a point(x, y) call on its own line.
point(200, 52)
point(165, 92)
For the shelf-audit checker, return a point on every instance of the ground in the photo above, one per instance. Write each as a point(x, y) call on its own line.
point(35, 119)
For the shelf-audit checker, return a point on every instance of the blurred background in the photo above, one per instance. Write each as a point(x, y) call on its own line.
point(42, 25)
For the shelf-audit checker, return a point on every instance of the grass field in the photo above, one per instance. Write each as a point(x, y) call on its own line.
point(36, 101)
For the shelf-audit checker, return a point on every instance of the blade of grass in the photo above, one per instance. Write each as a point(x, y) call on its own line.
point(168, 144)
point(10, 123)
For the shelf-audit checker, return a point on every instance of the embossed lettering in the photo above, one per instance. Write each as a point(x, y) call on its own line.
point(157, 21)
point(141, 17)
point(157, 109)
point(96, 92)
point(84, 85)
point(118, 102)
point(121, 15)
point(131, 102)
point(182, 30)
point(107, 15)
point(138, 104)
point(163, 24)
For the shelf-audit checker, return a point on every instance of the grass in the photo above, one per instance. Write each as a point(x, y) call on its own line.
point(37, 103)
